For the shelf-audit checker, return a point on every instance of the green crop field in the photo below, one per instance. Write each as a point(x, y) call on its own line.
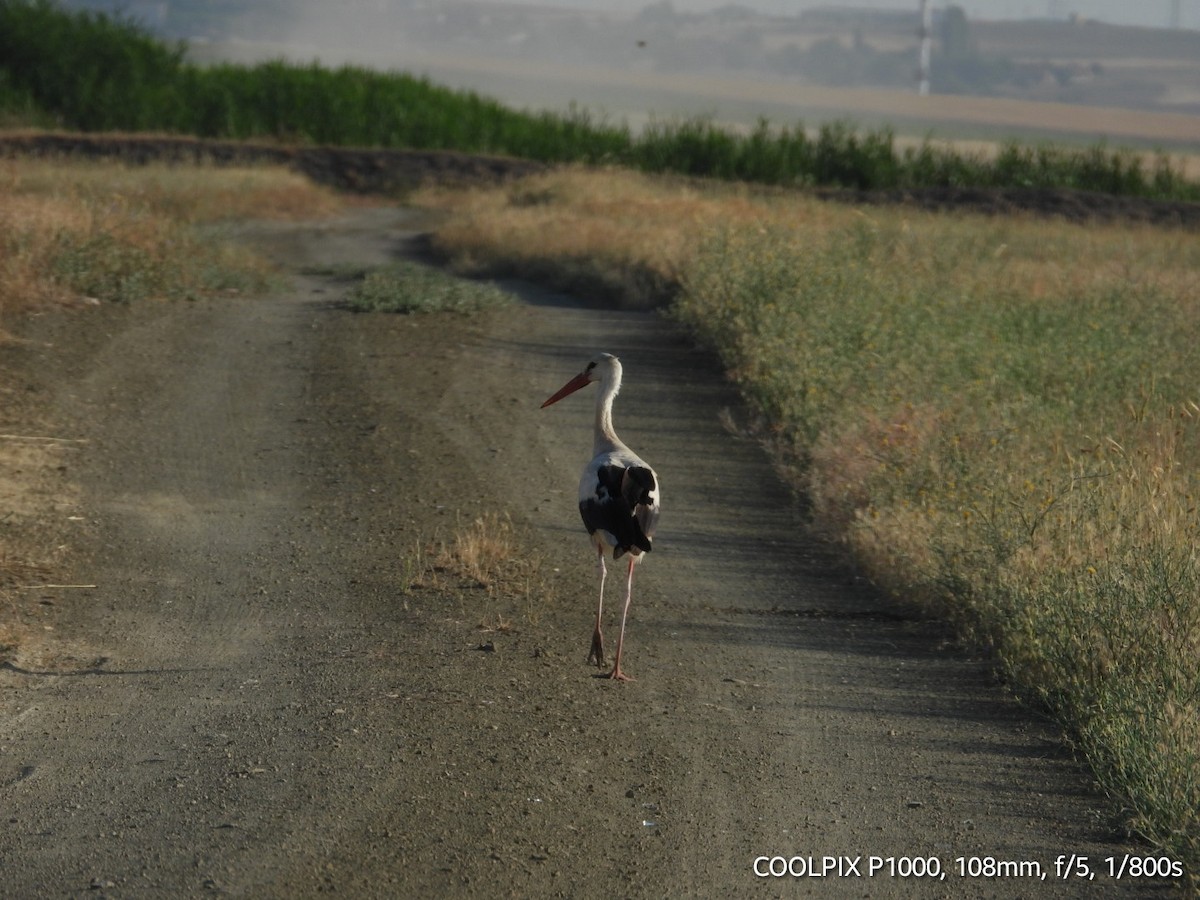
point(95, 72)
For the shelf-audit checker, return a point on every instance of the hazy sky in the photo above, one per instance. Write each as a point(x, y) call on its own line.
point(1152, 13)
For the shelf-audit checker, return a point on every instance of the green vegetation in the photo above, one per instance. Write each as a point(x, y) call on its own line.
point(113, 268)
point(1021, 453)
point(409, 287)
point(95, 72)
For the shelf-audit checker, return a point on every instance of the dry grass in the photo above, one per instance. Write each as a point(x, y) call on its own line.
point(489, 555)
point(72, 229)
point(996, 416)
point(190, 194)
point(484, 551)
point(615, 234)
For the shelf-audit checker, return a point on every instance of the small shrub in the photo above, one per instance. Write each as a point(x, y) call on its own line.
point(409, 287)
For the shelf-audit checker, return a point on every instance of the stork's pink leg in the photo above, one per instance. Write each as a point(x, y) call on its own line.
point(616, 672)
point(597, 652)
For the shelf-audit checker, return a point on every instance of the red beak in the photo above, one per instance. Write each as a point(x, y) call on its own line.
point(580, 380)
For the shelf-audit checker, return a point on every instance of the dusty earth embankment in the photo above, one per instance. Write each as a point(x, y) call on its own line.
point(262, 697)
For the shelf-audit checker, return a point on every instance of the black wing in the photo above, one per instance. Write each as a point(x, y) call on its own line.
point(623, 506)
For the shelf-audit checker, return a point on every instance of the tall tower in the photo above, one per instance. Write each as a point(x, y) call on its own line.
point(925, 33)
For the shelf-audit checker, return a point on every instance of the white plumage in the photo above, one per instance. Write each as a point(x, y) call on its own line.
point(619, 495)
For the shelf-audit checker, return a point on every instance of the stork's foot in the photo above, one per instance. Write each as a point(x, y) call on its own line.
point(617, 675)
point(597, 653)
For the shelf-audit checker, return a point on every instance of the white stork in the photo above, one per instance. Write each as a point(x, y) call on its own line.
point(618, 494)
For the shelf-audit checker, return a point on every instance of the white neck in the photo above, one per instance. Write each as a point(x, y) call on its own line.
point(604, 436)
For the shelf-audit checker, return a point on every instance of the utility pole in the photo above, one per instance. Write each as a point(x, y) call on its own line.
point(1175, 13)
point(925, 33)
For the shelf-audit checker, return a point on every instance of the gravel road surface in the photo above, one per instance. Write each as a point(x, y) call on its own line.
point(263, 696)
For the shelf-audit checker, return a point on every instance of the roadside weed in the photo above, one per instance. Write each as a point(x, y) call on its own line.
point(409, 287)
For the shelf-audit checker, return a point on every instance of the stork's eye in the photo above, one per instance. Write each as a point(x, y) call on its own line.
point(590, 366)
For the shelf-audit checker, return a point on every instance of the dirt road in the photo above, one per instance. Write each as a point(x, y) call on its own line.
point(259, 699)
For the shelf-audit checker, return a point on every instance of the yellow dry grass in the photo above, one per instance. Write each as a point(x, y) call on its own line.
point(192, 194)
point(486, 554)
point(616, 220)
point(483, 550)
point(612, 230)
point(46, 206)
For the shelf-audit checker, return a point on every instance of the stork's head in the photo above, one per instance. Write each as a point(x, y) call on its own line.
point(604, 367)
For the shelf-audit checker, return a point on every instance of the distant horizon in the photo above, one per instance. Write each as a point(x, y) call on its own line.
point(1155, 14)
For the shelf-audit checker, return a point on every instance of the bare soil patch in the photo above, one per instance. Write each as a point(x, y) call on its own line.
point(261, 700)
